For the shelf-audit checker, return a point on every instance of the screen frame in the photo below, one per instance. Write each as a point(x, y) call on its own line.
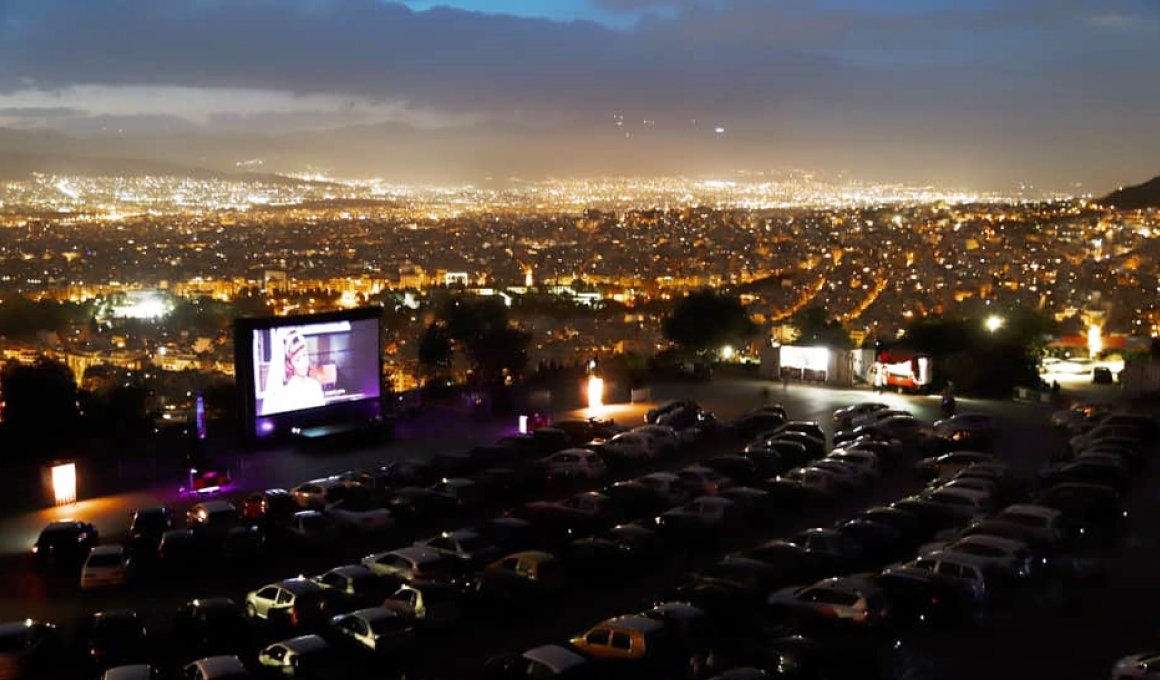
point(281, 425)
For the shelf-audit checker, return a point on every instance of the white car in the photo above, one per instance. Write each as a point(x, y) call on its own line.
point(130, 672)
point(847, 599)
point(1000, 554)
point(574, 464)
point(360, 515)
point(378, 630)
point(961, 566)
point(413, 565)
point(1144, 666)
point(106, 566)
point(631, 445)
point(279, 597)
point(872, 418)
point(1042, 520)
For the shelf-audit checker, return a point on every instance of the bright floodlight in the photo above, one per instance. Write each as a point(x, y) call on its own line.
point(1095, 340)
point(994, 323)
point(727, 352)
point(64, 483)
point(595, 392)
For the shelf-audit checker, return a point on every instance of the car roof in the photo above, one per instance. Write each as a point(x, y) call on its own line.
point(1032, 509)
point(533, 555)
point(350, 570)
point(714, 500)
point(994, 541)
point(372, 614)
point(680, 610)
point(415, 553)
point(222, 665)
point(305, 644)
point(130, 672)
point(558, 658)
point(634, 622)
point(298, 585)
point(65, 525)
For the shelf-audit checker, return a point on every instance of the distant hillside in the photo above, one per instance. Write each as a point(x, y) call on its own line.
point(1146, 195)
point(18, 166)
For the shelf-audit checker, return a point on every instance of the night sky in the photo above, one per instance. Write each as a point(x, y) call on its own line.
point(984, 94)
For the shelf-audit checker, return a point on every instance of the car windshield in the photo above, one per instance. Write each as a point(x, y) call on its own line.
point(364, 582)
point(104, 560)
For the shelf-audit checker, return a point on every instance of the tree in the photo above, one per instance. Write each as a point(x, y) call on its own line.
point(435, 349)
point(705, 321)
point(40, 407)
point(817, 328)
point(480, 327)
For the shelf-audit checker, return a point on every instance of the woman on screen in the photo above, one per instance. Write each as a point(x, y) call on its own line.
point(296, 389)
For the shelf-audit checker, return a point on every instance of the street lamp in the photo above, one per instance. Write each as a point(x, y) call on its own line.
point(994, 323)
point(595, 392)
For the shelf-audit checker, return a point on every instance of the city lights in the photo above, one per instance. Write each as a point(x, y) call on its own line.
point(1095, 340)
point(994, 322)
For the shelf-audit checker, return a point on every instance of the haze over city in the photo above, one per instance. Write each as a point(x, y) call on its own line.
point(985, 95)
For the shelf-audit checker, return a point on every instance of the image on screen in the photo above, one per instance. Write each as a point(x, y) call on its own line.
point(309, 366)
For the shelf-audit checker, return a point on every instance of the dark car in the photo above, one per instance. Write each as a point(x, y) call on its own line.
point(636, 500)
point(815, 447)
point(1089, 471)
point(268, 507)
point(792, 562)
point(756, 506)
point(404, 473)
point(65, 544)
point(30, 649)
point(906, 523)
point(751, 424)
point(737, 467)
point(509, 534)
point(354, 585)
point(210, 626)
point(658, 412)
point(838, 551)
point(146, 528)
point(455, 464)
point(767, 461)
point(641, 543)
point(180, 551)
point(1096, 510)
point(420, 505)
point(114, 638)
point(500, 485)
point(920, 597)
point(879, 543)
point(521, 577)
point(804, 426)
point(933, 516)
point(1102, 375)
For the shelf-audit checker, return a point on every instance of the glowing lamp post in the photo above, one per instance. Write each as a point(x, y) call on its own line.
point(595, 392)
point(64, 483)
point(994, 323)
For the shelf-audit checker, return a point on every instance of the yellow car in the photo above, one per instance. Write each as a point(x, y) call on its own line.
point(629, 637)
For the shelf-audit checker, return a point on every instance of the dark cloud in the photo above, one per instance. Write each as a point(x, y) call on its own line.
point(858, 80)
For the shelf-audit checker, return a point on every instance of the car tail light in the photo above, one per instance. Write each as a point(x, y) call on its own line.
point(294, 619)
point(827, 611)
point(862, 616)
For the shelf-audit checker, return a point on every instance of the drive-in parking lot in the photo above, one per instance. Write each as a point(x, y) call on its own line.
point(1023, 636)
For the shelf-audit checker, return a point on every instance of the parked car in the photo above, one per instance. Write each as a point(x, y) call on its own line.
point(146, 528)
point(792, 563)
point(1096, 511)
point(420, 505)
point(844, 417)
point(975, 430)
point(465, 545)
point(857, 601)
point(212, 519)
point(29, 649)
point(920, 597)
point(837, 550)
point(106, 566)
point(211, 626)
point(950, 464)
point(222, 667)
point(310, 528)
point(738, 467)
point(114, 638)
point(521, 576)
point(701, 480)
point(318, 493)
point(547, 661)
point(268, 507)
point(430, 606)
point(704, 518)
point(377, 630)
point(360, 514)
point(573, 464)
point(637, 499)
point(667, 485)
point(355, 584)
point(414, 565)
point(65, 544)
point(296, 602)
point(1143, 666)
point(305, 656)
point(643, 642)
point(802, 487)
point(464, 493)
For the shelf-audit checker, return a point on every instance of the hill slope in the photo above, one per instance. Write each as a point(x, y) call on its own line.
point(1146, 195)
